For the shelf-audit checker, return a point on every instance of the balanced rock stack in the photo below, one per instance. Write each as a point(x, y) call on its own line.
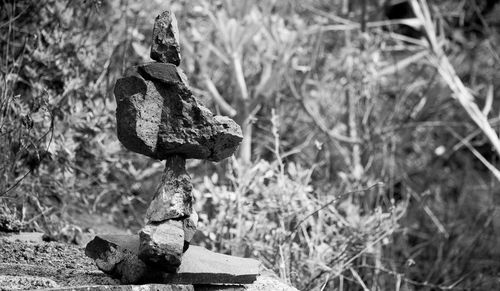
point(158, 116)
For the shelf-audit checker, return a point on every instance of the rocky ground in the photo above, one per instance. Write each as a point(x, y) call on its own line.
point(29, 263)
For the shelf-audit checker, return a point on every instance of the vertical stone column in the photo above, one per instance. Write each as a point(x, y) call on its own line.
point(170, 219)
point(158, 116)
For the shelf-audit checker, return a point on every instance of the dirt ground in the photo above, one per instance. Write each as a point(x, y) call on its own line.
point(27, 262)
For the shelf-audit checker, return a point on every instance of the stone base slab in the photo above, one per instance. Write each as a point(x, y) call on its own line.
point(116, 255)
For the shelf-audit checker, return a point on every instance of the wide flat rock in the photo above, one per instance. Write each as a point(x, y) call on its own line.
point(199, 265)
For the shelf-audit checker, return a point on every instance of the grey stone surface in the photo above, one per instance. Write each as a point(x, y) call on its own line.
point(9, 282)
point(269, 282)
point(263, 283)
point(173, 198)
point(145, 287)
point(189, 224)
point(160, 119)
point(165, 47)
point(165, 73)
point(162, 244)
point(118, 259)
point(199, 265)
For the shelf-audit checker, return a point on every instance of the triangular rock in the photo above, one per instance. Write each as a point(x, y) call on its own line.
point(165, 47)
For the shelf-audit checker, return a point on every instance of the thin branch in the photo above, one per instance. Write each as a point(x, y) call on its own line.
point(224, 106)
point(51, 130)
point(239, 75)
point(10, 21)
point(441, 62)
point(378, 184)
point(452, 286)
point(315, 117)
point(477, 154)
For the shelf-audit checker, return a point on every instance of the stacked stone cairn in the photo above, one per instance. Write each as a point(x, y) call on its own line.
point(158, 116)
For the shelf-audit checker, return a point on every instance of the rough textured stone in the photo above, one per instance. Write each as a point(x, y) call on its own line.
point(189, 224)
point(118, 259)
point(160, 119)
point(162, 245)
point(173, 198)
point(165, 47)
point(146, 287)
point(166, 73)
point(199, 265)
point(9, 223)
point(25, 282)
point(269, 282)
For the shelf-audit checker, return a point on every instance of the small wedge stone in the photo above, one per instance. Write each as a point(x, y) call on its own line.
point(189, 225)
point(166, 73)
point(165, 47)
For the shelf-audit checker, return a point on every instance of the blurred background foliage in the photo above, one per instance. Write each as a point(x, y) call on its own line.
point(370, 159)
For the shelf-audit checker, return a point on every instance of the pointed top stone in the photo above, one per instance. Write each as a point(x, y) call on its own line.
point(165, 47)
